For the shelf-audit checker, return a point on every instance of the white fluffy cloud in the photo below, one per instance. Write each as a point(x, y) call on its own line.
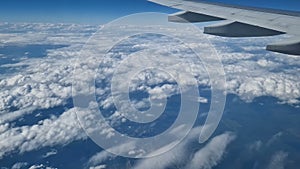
point(46, 82)
point(49, 132)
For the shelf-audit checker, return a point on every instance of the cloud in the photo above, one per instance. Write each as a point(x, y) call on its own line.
point(102, 156)
point(49, 132)
point(40, 166)
point(182, 157)
point(212, 153)
point(19, 165)
point(49, 79)
point(278, 160)
point(44, 33)
point(274, 138)
point(175, 157)
point(256, 146)
point(256, 73)
point(43, 88)
point(46, 82)
point(98, 167)
point(50, 153)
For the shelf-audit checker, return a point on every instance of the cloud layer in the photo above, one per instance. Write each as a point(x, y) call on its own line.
point(44, 83)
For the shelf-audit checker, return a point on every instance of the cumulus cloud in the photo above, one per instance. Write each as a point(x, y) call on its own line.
point(45, 83)
point(49, 132)
point(256, 72)
point(43, 88)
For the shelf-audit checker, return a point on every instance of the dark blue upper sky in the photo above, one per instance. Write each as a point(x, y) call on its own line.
point(102, 11)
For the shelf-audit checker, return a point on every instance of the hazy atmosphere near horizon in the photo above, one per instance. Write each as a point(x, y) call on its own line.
point(111, 84)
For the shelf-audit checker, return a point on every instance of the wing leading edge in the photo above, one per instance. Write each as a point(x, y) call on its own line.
point(239, 21)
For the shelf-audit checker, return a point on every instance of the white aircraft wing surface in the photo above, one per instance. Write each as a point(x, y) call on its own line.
point(238, 21)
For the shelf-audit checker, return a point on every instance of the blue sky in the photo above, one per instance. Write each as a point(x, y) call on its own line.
point(102, 11)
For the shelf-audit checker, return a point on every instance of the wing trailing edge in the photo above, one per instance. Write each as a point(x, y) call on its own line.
point(186, 16)
point(237, 29)
point(226, 29)
point(291, 47)
point(240, 21)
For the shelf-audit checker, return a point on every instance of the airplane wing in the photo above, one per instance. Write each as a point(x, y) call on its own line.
point(237, 21)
